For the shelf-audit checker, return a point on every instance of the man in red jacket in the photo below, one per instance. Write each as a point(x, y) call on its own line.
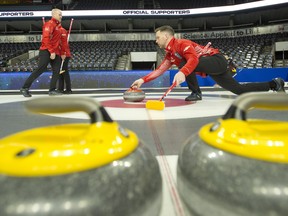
point(64, 77)
point(49, 53)
point(191, 57)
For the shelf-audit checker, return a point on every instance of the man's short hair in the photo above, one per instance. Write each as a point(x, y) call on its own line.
point(165, 28)
point(55, 10)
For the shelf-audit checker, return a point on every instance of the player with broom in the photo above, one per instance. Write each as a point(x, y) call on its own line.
point(48, 53)
point(64, 77)
point(191, 57)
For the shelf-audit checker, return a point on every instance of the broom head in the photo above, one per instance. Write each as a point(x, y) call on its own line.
point(155, 105)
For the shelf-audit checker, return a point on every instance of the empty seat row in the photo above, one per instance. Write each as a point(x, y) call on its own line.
point(247, 52)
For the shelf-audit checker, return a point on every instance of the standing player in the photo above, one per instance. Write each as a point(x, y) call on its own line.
point(185, 54)
point(64, 77)
point(49, 53)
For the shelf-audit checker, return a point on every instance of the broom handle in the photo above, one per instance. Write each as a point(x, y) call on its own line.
point(204, 49)
point(168, 91)
point(70, 28)
point(61, 65)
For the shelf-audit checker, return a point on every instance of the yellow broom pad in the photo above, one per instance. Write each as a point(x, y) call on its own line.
point(155, 105)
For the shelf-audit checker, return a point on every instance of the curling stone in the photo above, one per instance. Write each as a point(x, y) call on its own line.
point(238, 166)
point(96, 168)
point(134, 95)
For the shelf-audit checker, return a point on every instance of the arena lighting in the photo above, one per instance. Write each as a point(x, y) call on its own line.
point(163, 12)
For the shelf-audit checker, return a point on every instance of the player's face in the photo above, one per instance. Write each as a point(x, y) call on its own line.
point(161, 39)
point(58, 15)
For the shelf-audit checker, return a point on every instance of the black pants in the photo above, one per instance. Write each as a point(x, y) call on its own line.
point(216, 67)
point(64, 78)
point(44, 60)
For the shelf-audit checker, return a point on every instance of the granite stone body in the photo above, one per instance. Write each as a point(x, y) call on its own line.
point(132, 95)
point(215, 182)
point(128, 186)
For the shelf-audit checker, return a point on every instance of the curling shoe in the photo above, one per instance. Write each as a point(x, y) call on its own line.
point(67, 92)
point(25, 92)
point(279, 84)
point(55, 93)
point(194, 96)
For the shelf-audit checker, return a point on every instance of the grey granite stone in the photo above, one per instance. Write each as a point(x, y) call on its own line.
point(128, 186)
point(218, 183)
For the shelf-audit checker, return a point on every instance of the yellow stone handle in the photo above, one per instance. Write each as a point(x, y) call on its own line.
point(64, 104)
point(268, 101)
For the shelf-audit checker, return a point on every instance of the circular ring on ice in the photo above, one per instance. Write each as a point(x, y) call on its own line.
point(212, 105)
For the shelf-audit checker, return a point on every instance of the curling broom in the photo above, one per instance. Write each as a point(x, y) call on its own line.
point(159, 104)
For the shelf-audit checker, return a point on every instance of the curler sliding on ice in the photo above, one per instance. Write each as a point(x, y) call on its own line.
point(190, 58)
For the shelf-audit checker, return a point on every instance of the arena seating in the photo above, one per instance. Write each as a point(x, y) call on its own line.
point(247, 52)
point(103, 55)
point(250, 51)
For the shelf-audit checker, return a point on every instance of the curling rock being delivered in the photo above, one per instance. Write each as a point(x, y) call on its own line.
point(134, 95)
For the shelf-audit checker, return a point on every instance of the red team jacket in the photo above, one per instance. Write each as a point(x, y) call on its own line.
point(64, 46)
point(51, 36)
point(182, 53)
